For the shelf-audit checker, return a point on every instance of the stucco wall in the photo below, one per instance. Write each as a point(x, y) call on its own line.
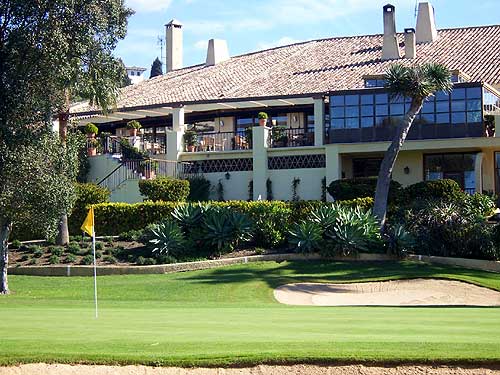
point(100, 167)
point(309, 187)
point(236, 188)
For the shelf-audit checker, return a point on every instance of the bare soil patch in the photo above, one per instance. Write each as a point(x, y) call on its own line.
point(44, 369)
point(415, 292)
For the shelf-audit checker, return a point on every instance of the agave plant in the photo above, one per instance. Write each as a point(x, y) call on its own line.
point(242, 227)
point(306, 236)
point(167, 238)
point(219, 229)
point(325, 216)
point(188, 216)
point(399, 241)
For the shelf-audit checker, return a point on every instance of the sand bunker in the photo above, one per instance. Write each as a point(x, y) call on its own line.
point(416, 292)
point(43, 369)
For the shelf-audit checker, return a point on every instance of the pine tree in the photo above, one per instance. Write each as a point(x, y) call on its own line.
point(156, 68)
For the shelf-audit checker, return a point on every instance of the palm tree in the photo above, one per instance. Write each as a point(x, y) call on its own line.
point(417, 82)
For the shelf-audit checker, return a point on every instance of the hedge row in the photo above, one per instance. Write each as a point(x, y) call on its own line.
point(116, 218)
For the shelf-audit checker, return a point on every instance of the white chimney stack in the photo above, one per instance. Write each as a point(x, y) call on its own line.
point(410, 45)
point(426, 24)
point(173, 38)
point(217, 52)
point(390, 47)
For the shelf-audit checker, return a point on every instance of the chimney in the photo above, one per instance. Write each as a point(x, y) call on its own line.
point(390, 47)
point(410, 46)
point(173, 38)
point(217, 52)
point(426, 24)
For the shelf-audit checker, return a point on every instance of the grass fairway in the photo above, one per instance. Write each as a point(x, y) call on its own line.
point(228, 316)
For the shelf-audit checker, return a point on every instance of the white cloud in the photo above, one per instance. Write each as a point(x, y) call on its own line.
point(277, 43)
point(201, 44)
point(145, 6)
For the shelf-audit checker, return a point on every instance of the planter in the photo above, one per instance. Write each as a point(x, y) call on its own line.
point(91, 151)
point(190, 148)
point(262, 122)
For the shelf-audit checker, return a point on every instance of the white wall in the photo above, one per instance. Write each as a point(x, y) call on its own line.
point(100, 167)
point(308, 189)
point(236, 188)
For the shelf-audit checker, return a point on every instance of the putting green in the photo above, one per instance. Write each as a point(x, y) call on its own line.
point(229, 316)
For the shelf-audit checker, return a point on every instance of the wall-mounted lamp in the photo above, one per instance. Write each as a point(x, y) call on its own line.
point(227, 175)
point(406, 170)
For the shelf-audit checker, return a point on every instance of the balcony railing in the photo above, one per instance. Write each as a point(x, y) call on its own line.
point(224, 141)
point(285, 137)
point(111, 145)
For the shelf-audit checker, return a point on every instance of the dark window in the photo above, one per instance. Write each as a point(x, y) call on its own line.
point(368, 167)
point(458, 167)
point(280, 120)
point(244, 122)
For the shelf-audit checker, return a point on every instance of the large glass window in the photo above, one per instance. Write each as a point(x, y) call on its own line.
point(366, 167)
point(281, 119)
point(458, 167)
point(244, 122)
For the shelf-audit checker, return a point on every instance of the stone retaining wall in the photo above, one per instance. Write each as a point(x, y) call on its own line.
point(484, 265)
point(176, 267)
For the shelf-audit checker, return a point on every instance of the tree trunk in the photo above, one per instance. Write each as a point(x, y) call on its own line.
point(63, 231)
point(390, 156)
point(5, 229)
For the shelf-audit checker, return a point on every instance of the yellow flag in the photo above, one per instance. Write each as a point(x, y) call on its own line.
point(88, 224)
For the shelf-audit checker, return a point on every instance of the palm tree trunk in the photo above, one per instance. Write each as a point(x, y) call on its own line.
point(5, 229)
point(63, 230)
point(390, 156)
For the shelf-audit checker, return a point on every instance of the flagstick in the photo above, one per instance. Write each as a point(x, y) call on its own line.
point(95, 274)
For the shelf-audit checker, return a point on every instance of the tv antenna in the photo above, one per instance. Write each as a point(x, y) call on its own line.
point(160, 41)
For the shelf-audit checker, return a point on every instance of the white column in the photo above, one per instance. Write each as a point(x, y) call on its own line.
point(478, 172)
point(333, 167)
point(175, 137)
point(319, 121)
point(260, 136)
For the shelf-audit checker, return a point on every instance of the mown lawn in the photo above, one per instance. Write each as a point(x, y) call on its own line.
point(228, 316)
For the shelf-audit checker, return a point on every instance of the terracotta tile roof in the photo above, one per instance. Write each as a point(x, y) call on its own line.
point(317, 66)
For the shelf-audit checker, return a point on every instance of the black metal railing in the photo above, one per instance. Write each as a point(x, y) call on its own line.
point(224, 141)
point(286, 137)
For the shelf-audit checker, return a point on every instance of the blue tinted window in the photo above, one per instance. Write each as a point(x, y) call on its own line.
point(370, 83)
point(367, 110)
point(442, 118)
point(474, 117)
point(441, 95)
point(351, 99)
point(381, 120)
point(367, 122)
point(398, 99)
point(458, 94)
point(382, 110)
point(367, 99)
point(397, 109)
point(352, 122)
point(428, 118)
point(458, 105)
point(337, 100)
point(337, 112)
point(474, 93)
point(381, 98)
point(428, 107)
point(351, 111)
point(442, 106)
point(458, 117)
point(473, 104)
point(338, 123)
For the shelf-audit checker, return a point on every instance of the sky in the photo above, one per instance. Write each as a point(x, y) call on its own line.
point(254, 25)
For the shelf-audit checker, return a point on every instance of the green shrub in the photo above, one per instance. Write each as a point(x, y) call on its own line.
point(165, 259)
point(73, 247)
point(86, 195)
point(446, 189)
point(56, 250)
point(99, 245)
point(134, 124)
point(36, 250)
point(25, 258)
point(54, 259)
point(110, 259)
point(166, 239)
point(347, 189)
point(109, 240)
point(149, 261)
point(398, 240)
point(33, 261)
point(140, 261)
point(165, 189)
point(262, 116)
point(16, 244)
point(199, 189)
point(129, 152)
point(91, 128)
point(479, 205)
point(87, 260)
point(131, 235)
point(70, 258)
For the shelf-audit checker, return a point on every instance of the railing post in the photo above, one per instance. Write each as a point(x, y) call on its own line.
point(175, 137)
point(319, 121)
point(260, 135)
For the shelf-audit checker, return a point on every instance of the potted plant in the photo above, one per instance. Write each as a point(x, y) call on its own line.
point(279, 136)
point(91, 130)
point(190, 140)
point(92, 144)
point(133, 126)
point(262, 116)
point(148, 169)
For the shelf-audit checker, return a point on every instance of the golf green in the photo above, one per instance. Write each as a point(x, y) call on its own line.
point(228, 316)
